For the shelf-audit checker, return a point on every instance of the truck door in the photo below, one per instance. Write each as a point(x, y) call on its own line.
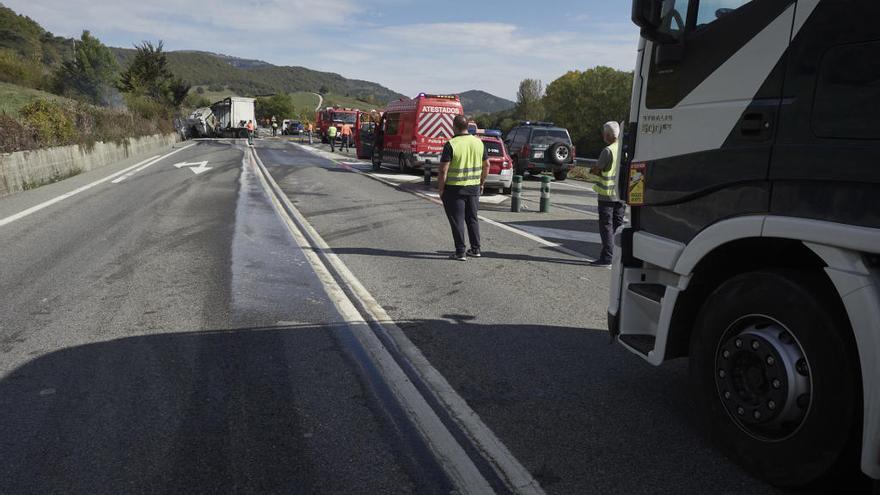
point(708, 112)
point(825, 164)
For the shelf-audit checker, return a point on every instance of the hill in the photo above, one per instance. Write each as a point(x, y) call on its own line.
point(254, 77)
point(26, 38)
point(476, 102)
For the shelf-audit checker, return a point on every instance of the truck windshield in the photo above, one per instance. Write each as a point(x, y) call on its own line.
point(549, 136)
point(345, 118)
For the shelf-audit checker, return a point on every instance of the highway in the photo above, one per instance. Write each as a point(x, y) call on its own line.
point(216, 319)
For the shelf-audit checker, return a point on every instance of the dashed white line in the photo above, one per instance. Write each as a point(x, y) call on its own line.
point(46, 204)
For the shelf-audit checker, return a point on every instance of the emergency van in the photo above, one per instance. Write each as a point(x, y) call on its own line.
point(334, 115)
point(412, 132)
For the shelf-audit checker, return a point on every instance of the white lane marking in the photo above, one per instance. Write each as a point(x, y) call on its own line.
point(571, 235)
point(122, 178)
point(196, 167)
point(455, 461)
point(398, 178)
point(46, 204)
point(436, 199)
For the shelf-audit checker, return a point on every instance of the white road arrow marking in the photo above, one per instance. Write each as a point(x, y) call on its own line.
point(196, 167)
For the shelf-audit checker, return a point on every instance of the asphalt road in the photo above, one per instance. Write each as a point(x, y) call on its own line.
point(165, 334)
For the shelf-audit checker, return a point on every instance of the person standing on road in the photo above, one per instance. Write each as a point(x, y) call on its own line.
point(311, 131)
point(331, 135)
point(250, 132)
point(274, 126)
point(464, 166)
point(604, 175)
point(346, 137)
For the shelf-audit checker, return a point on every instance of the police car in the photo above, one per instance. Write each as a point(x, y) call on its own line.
point(500, 165)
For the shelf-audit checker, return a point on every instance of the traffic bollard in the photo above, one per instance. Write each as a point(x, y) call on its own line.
point(516, 194)
point(427, 176)
point(545, 194)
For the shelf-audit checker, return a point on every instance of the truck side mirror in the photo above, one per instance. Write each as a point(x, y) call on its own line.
point(648, 15)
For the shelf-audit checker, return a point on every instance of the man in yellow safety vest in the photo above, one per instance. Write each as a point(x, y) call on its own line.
point(464, 166)
point(604, 176)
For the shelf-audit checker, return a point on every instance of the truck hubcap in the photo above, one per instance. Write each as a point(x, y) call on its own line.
point(763, 378)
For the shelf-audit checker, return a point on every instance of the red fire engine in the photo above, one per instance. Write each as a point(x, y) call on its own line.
point(412, 132)
point(335, 115)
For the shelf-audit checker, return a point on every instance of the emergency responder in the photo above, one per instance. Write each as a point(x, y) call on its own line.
point(250, 132)
point(331, 135)
point(464, 166)
point(604, 175)
point(346, 137)
point(311, 131)
point(274, 126)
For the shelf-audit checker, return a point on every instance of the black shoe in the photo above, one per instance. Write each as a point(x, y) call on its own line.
point(474, 253)
point(602, 263)
point(458, 257)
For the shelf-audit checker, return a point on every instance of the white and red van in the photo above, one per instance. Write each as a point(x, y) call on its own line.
point(412, 132)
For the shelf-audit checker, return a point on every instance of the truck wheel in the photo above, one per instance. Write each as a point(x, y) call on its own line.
point(403, 165)
point(775, 376)
point(506, 190)
point(242, 134)
point(560, 175)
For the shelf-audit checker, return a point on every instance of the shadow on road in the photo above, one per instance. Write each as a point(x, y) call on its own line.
point(444, 255)
point(284, 410)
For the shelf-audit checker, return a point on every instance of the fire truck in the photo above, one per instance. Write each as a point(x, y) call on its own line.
point(334, 115)
point(752, 167)
point(412, 132)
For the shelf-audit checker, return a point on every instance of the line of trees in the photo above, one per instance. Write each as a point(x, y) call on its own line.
point(580, 101)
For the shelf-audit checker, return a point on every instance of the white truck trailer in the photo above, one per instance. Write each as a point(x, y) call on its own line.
point(752, 167)
point(233, 114)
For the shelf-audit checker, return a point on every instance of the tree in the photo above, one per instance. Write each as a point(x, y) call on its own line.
point(528, 100)
point(583, 101)
point(91, 73)
point(323, 90)
point(279, 106)
point(148, 76)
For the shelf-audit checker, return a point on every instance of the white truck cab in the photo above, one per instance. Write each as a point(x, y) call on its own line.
point(753, 174)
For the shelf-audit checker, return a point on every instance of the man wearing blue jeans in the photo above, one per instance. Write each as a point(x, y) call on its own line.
point(611, 209)
point(464, 166)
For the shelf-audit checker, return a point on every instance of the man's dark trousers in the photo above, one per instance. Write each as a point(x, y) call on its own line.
point(610, 218)
point(462, 210)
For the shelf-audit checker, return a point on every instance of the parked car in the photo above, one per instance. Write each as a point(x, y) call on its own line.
point(500, 165)
point(291, 127)
point(537, 147)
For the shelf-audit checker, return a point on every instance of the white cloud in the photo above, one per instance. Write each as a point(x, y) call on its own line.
point(341, 36)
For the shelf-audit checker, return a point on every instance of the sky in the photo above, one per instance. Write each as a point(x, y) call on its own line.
point(408, 46)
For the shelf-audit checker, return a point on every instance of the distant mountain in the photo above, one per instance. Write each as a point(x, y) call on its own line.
point(255, 77)
point(477, 102)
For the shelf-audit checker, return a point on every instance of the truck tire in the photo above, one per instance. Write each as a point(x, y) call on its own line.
point(559, 153)
point(775, 375)
point(243, 133)
point(560, 175)
point(403, 164)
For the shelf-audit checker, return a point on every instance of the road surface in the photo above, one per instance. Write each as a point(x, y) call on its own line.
point(284, 320)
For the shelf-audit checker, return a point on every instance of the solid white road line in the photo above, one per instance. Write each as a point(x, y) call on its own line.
point(571, 235)
point(455, 461)
point(46, 204)
point(435, 198)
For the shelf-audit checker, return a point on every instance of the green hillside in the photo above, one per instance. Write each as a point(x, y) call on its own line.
point(477, 102)
point(253, 78)
point(25, 37)
point(13, 97)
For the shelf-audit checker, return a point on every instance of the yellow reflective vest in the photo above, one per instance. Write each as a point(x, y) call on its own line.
point(606, 182)
point(466, 166)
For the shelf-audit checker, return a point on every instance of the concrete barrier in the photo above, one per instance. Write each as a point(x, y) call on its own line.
point(28, 169)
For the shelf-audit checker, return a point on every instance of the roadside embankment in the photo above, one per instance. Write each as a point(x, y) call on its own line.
point(24, 170)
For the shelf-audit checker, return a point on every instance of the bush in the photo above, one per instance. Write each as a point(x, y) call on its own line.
point(14, 136)
point(50, 122)
point(45, 123)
